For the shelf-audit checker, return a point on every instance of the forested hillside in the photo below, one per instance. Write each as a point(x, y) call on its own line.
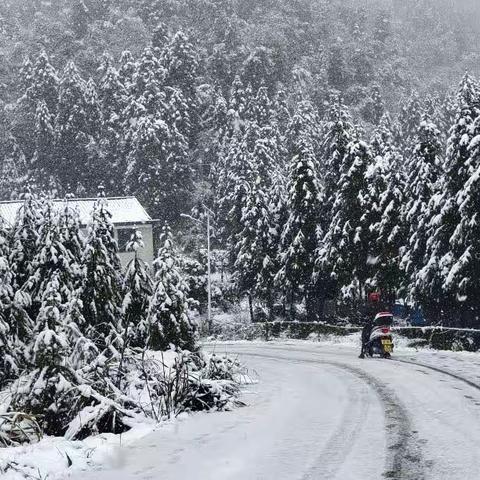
point(330, 138)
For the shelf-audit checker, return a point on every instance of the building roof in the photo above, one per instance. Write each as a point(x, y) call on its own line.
point(124, 210)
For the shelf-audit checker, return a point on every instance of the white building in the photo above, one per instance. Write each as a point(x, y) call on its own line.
point(127, 215)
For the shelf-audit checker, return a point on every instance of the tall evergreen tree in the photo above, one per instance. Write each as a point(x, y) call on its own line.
point(72, 128)
point(302, 233)
point(168, 311)
point(137, 286)
point(43, 160)
point(8, 362)
point(338, 133)
point(25, 239)
point(424, 171)
point(101, 291)
point(344, 251)
point(158, 171)
point(445, 218)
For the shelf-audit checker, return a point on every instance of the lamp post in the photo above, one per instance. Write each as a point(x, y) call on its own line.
point(208, 212)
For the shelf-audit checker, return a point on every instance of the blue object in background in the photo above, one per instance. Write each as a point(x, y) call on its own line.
point(416, 318)
point(400, 310)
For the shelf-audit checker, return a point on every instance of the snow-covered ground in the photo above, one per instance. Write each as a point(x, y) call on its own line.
point(317, 412)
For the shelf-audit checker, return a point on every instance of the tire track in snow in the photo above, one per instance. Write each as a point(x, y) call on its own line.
point(404, 456)
point(441, 370)
point(343, 439)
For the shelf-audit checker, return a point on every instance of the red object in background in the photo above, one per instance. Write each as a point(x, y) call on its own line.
point(374, 297)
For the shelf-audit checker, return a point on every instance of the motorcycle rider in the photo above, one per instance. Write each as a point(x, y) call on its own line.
point(366, 331)
point(372, 307)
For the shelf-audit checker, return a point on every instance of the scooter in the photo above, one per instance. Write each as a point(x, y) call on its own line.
point(381, 341)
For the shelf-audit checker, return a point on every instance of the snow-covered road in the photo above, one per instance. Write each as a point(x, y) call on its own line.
point(319, 412)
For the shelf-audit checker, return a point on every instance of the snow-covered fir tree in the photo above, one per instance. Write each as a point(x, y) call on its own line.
point(433, 281)
point(101, 291)
point(25, 239)
point(168, 319)
point(387, 232)
point(72, 128)
point(137, 288)
point(52, 259)
point(424, 170)
point(344, 251)
point(302, 233)
point(338, 133)
point(46, 389)
point(8, 362)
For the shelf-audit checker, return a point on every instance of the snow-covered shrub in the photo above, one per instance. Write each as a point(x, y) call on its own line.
point(165, 384)
point(18, 428)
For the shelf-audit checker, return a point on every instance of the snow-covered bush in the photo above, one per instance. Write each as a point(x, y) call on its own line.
point(18, 428)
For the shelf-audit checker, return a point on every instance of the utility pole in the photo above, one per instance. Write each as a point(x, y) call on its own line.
point(208, 212)
point(209, 275)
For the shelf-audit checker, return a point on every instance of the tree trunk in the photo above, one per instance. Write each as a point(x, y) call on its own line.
point(292, 306)
point(271, 316)
point(250, 307)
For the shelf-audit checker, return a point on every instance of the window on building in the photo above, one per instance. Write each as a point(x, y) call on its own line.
point(124, 235)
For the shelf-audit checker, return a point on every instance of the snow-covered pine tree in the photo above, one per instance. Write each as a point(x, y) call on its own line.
point(168, 311)
point(126, 71)
point(8, 362)
point(158, 172)
point(384, 221)
point(72, 128)
point(70, 232)
point(13, 171)
point(51, 260)
point(445, 219)
point(281, 112)
point(160, 38)
point(41, 86)
point(424, 169)
point(148, 71)
point(258, 68)
point(237, 173)
point(344, 251)
point(463, 279)
point(48, 385)
point(238, 100)
point(304, 122)
point(277, 213)
point(93, 111)
point(43, 160)
point(409, 118)
point(302, 233)
point(26, 74)
point(251, 238)
point(44, 84)
point(113, 98)
point(137, 288)
point(337, 135)
point(180, 62)
point(101, 291)
point(112, 95)
point(25, 239)
point(260, 108)
point(214, 120)
point(373, 107)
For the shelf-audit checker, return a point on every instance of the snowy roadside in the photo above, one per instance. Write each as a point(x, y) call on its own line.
point(56, 458)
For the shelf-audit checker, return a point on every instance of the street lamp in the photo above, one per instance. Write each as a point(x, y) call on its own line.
point(208, 212)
